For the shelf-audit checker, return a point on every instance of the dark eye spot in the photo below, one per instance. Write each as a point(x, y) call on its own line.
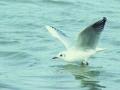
point(61, 55)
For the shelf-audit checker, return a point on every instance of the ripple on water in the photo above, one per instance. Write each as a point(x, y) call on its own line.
point(4, 86)
point(8, 42)
point(24, 41)
point(17, 1)
point(13, 58)
point(59, 2)
point(52, 82)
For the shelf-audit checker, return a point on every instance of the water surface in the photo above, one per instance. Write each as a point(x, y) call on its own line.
point(26, 48)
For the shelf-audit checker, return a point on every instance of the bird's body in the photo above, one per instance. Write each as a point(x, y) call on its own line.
point(73, 54)
point(86, 43)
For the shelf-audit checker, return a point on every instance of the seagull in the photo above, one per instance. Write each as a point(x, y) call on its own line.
point(84, 47)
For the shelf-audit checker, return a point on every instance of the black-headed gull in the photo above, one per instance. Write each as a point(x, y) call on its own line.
point(85, 45)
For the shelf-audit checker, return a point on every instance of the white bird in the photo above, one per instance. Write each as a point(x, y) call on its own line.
point(85, 45)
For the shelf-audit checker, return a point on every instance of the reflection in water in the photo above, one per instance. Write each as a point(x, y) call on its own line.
point(88, 76)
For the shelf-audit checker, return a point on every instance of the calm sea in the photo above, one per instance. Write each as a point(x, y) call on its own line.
point(26, 48)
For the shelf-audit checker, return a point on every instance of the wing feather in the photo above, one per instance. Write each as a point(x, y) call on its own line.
point(88, 38)
point(59, 35)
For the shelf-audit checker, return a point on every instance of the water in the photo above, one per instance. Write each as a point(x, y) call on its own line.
point(26, 48)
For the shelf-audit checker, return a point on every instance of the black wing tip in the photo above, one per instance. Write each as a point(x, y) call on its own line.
point(100, 24)
point(104, 19)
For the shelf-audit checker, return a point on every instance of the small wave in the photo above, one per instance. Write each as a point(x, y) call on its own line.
point(115, 43)
point(2, 3)
point(8, 42)
point(60, 87)
point(17, 1)
point(58, 2)
point(7, 87)
point(13, 58)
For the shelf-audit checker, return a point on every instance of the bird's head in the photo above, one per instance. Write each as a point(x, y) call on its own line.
point(61, 55)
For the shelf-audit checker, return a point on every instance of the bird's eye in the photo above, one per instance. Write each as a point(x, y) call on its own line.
point(61, 55)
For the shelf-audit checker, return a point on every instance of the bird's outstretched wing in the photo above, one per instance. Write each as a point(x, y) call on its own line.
point(88, 38)
point(59, 35)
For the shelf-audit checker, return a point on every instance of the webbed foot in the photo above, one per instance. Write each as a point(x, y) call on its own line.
point(84, 63)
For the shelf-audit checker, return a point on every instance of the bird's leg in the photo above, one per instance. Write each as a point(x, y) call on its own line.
point(87, 63)
point(84, 62)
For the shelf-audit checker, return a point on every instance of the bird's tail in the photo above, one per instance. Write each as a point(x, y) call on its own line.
point(100, 49)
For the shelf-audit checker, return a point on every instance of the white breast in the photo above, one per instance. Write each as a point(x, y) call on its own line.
point(76, 55)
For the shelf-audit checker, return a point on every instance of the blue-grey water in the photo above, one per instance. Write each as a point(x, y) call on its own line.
point(26, 48)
